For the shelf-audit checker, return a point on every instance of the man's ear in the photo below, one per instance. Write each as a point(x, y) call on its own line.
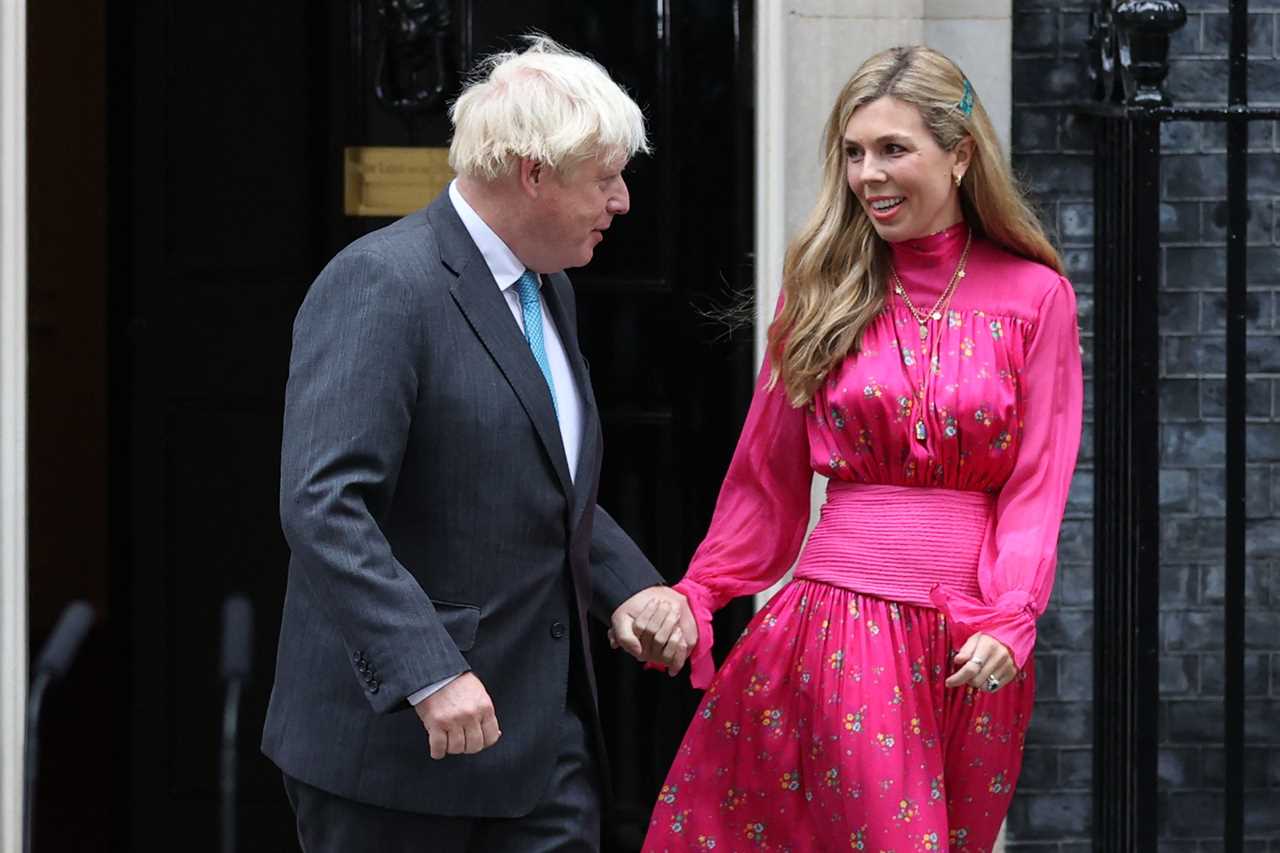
point(532, 174)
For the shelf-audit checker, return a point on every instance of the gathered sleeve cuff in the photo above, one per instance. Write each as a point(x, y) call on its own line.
point(1011, 619)
point(1020, 554)
point(701, 667)
point(760, 516)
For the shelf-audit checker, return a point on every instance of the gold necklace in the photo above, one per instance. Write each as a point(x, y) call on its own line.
point(935, 312)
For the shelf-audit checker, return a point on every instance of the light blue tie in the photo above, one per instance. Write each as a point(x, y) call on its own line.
point(527, 287)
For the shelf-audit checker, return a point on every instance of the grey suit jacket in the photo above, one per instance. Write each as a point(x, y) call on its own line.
point(433, 527)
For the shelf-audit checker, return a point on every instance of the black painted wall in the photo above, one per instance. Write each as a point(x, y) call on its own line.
point(203, 168)
point(1053, 150)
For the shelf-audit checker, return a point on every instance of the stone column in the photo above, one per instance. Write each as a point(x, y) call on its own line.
point(806, 50)
point(13, 370)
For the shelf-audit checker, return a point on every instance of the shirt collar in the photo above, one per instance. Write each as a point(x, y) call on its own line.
point(502, 262)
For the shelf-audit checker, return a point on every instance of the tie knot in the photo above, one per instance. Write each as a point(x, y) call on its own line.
point(527, 287)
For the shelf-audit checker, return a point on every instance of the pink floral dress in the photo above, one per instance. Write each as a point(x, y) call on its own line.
point(950, 453)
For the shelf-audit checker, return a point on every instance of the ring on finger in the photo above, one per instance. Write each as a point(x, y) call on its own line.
point(978, 661)
point(993, 684)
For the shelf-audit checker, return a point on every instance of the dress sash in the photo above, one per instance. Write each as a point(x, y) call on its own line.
point(898, 542)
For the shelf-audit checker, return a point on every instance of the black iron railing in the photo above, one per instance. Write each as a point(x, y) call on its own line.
point(1128, 49)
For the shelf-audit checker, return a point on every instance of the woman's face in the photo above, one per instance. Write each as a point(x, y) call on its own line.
point(902, 178)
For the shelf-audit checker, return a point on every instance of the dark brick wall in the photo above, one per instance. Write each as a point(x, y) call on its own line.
point(1052, 151)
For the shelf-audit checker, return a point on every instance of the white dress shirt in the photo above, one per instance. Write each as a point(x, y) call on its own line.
point(506, 270)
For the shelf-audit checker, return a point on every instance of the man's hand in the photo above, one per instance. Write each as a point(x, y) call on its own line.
point(459, 718)
point(656, 626)
point(983, 662)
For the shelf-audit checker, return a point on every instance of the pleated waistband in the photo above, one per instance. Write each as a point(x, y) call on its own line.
point(898, 542)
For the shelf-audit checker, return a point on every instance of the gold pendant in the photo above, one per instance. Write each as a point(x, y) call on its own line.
point(924, 332)
point(920, 433)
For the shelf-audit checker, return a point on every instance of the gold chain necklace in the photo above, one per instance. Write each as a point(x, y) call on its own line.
point(935, 312)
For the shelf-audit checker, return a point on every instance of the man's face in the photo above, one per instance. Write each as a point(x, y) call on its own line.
point(572, 212)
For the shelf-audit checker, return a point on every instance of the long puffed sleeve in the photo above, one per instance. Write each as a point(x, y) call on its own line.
point(1019, 556)
point(760, 516)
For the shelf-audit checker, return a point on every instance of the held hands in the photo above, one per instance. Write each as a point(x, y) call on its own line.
point(655, 626)
point(459, 718)
point(983, 662)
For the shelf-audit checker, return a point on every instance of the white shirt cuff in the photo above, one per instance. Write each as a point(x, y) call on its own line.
point(418, 696)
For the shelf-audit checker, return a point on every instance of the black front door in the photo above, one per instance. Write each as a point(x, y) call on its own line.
point(228, 126)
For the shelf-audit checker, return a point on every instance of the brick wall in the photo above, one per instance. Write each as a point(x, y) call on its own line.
point(1052, 150)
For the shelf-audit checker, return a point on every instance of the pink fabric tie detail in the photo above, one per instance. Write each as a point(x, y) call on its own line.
point(1012, 617)
point(702, 667)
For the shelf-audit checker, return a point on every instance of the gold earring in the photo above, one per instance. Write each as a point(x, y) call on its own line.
point(958, 177)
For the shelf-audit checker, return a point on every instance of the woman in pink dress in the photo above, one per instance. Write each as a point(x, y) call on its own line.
point(926, 359)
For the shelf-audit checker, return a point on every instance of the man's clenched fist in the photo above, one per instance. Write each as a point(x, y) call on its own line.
point(459, 718)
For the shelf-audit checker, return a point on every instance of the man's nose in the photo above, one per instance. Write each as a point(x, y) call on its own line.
point(620, 201)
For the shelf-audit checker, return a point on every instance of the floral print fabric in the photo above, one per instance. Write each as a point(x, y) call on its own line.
point(989, 402)
point(950, 453)
point(829, 728)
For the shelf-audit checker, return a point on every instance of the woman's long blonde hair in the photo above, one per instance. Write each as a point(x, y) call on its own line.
point(835, 268)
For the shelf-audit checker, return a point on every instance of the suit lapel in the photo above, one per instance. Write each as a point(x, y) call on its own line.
point(557, 296)
point(482, 303)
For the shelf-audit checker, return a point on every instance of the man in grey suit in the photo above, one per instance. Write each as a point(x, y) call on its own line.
point(441, 457)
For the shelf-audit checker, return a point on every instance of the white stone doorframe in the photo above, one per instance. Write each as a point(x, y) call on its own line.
point(805, 51)
point(13, 417)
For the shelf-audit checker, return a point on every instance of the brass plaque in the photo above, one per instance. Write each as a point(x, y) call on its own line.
point(389, 181)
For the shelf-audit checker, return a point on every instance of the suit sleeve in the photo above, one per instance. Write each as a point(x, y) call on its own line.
point(619, 569)
point(352, 386)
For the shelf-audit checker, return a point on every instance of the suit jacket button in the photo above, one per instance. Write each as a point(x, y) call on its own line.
point(372, 688)
point(557, 630)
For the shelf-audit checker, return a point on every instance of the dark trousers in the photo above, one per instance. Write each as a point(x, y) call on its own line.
point(566, 820)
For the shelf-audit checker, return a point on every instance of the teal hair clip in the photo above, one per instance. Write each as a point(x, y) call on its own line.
point(966, 100)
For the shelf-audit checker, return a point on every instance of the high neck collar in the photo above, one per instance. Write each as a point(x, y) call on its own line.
point(924, 254)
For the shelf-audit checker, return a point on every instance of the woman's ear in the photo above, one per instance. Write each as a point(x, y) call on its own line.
point(964, 154)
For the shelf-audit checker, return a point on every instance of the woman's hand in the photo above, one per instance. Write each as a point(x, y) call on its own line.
point(656, 626)
point(983, 662)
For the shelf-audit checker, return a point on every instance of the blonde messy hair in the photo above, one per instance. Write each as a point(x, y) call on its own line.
point(544, 103)
point(835, 268)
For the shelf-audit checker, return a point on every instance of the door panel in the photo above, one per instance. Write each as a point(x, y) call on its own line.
point(227, 163)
